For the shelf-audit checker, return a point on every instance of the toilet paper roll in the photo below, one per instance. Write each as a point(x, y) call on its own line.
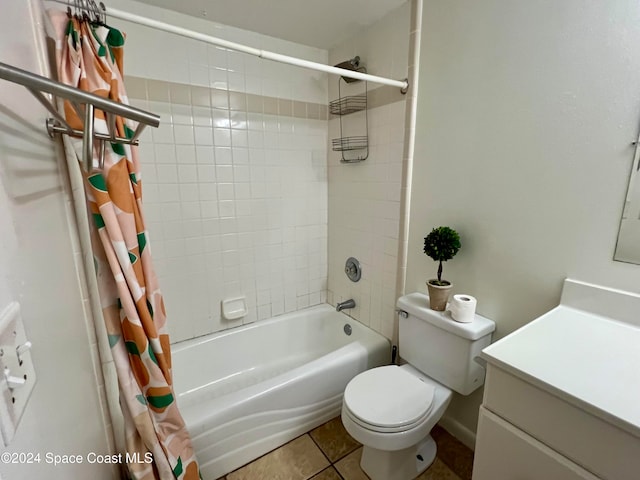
point(463, 308)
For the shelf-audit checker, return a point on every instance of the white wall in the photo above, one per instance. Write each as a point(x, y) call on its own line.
point(525, 118)
point(235, 189)
point(37, 253)
point(364, 198)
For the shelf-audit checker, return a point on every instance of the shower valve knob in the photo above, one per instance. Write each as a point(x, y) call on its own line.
point(352, 269)
point(25, 347)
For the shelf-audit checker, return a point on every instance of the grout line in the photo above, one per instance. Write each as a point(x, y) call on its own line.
point(264, 455)
point(319, 447)
point(325, 469)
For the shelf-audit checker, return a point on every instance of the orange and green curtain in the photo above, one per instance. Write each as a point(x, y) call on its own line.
point(91, 58)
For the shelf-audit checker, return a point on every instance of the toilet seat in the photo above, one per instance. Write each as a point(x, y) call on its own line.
point(388, 399)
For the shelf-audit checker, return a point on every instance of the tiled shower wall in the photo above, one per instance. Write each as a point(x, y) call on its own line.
point(364, 198)
point(235, 178)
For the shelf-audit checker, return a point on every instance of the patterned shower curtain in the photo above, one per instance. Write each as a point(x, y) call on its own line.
point(91, 58)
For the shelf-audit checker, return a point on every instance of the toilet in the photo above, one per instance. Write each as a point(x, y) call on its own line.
point(391, 410)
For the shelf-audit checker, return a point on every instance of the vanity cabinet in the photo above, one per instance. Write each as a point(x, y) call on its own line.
point(526, 433)
point(506, 452)
point(562, 398)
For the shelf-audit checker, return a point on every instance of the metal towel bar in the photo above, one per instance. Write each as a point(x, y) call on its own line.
point(85, 104)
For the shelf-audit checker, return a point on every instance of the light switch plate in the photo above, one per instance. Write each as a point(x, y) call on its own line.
point(17, 375)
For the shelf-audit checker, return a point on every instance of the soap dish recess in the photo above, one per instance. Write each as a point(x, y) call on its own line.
point(234, 308)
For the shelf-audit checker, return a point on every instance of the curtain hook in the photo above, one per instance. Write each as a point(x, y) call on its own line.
point(103, 13)
point(95, 18)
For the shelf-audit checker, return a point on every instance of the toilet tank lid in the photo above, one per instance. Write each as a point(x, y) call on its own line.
point(417, 304)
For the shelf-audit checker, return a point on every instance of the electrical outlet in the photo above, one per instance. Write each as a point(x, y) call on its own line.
point(17, 375)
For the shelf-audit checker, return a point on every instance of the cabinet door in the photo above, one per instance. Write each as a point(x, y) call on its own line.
point(505, 453)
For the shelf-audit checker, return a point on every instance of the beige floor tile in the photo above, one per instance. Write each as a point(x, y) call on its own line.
point(334, 440)
point(328, 474)
point(438, 471)
point(299, 459)
point(349, 466)
point(457, 456)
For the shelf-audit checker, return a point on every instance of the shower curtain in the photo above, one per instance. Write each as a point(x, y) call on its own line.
point(157, 442)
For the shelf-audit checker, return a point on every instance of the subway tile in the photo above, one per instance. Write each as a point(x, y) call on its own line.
point(285, 107)
point(187, 174)
point(182, 114)
point(198, 76)
point(209, 209)
point(235, 61)
point(136, 87)
point(313, 111)
point(169, 191)
point(180, 94)
point(238, 120)
point(226, 209)
point(205, 155)
point(203, 136)
point(157, 91)
point(223, 156)
point(239, 138)
point(185, 154)
point(226, 191)
point(221, 118)
point(164, 154)
point(167, 173)
point(220, 98)
point(270, 105)
point(237, 101)
point(240, 156)
point(224, 173)
point(217, 56)
point(202, 116)
point(299, 109)
point(163, 134)
point(183, 134)
point(254, 103)
point(189, 193)
point(222, 137)
point(253, 84)
point(201, 96)
point(206, 173)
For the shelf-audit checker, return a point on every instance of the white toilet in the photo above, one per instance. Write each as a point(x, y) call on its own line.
point(391, 410)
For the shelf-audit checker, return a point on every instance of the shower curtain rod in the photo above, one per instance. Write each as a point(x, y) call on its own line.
point(276, 57)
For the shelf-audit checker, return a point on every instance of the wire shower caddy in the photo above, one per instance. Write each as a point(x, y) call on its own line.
point(356, 146)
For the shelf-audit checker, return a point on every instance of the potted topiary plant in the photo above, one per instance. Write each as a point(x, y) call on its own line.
point(441, 245)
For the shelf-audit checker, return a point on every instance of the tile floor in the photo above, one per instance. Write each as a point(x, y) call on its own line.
point(329, 453)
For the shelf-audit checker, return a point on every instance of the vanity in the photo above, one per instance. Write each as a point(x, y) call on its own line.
point(562, 394)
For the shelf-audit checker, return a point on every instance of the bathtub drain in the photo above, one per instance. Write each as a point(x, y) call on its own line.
point(347, 329)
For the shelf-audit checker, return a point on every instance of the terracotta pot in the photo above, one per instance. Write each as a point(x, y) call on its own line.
point(438, 295)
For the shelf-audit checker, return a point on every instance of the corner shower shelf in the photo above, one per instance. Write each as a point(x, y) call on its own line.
point(84, 105)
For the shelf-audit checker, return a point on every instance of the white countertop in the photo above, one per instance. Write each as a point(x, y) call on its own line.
point(584, 358)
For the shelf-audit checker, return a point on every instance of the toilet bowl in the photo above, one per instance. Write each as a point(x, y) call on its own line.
point(391, 410)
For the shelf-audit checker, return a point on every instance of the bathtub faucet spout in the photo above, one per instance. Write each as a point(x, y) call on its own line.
point(351, 303)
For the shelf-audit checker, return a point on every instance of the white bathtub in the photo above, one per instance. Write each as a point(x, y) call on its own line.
point(248, 390)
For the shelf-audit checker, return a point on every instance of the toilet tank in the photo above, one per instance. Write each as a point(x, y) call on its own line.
point(439, 346)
